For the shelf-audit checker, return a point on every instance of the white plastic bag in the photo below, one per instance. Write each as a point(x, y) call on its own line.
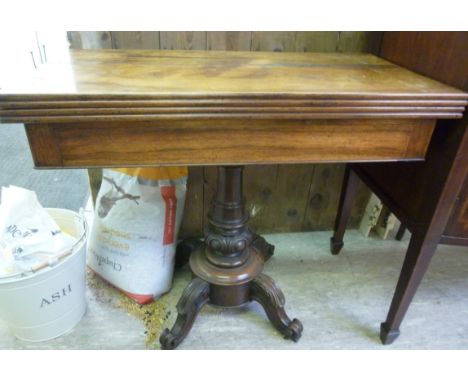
point(28, 234)
point(137, 216)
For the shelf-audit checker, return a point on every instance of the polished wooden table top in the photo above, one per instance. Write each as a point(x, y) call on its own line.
point(146, 85)
point(138, 107)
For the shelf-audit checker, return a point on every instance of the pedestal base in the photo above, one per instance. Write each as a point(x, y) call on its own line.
point(227, 266)
point(198, 293)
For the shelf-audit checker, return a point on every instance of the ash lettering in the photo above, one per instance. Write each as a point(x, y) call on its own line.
point(56, 296)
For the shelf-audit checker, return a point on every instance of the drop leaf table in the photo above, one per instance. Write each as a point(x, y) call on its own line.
point(123, 108)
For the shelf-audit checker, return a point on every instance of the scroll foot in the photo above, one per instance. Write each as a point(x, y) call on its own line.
point(184, 249)
point(194, 297)
point(261, 245)
point(264, 290)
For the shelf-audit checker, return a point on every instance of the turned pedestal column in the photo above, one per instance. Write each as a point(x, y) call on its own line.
point(227, 267)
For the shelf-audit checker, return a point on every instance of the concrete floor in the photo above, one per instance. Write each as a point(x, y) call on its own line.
point(340, 300)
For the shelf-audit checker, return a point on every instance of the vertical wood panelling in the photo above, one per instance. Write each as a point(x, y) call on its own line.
point(209, 177)
point(279, 198)
point(183, 40)
point(323, 197)
point(90, 40)
point(135, 40)
point(74, 38)
point(359, 42)
point(316, 41)
point(324, 194)
point(274, 41)
point(260, 185)
point(194, 213)
point(291, 197)
point(229, 40)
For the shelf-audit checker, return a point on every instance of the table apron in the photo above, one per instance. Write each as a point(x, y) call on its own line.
point(224, 142)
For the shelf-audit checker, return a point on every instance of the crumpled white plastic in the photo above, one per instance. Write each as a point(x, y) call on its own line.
point(28, 234)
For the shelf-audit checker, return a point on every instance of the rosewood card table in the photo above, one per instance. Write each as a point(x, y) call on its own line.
point(122, 108)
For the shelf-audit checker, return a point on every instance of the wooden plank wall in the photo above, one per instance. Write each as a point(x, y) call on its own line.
point(280, 198)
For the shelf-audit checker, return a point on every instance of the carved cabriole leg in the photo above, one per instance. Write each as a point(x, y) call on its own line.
point(184, 249)
point(264, 290)
point(263, 247)
point(195, 296)
point(348, 194)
